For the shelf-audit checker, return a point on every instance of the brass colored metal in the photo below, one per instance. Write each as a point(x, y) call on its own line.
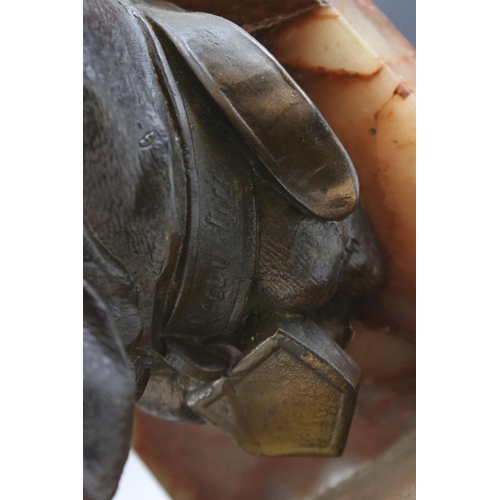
point(292, 393)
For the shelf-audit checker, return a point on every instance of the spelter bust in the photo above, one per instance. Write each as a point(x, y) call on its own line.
point(224, 246)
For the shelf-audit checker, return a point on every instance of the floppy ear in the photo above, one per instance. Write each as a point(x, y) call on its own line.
point(108, 401)
point(270, 111)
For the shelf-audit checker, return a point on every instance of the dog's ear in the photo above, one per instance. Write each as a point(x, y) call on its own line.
point(108, 401)
point(270, 111)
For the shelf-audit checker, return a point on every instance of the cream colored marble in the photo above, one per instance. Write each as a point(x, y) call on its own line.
point(325, 42)
point(381, 35)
